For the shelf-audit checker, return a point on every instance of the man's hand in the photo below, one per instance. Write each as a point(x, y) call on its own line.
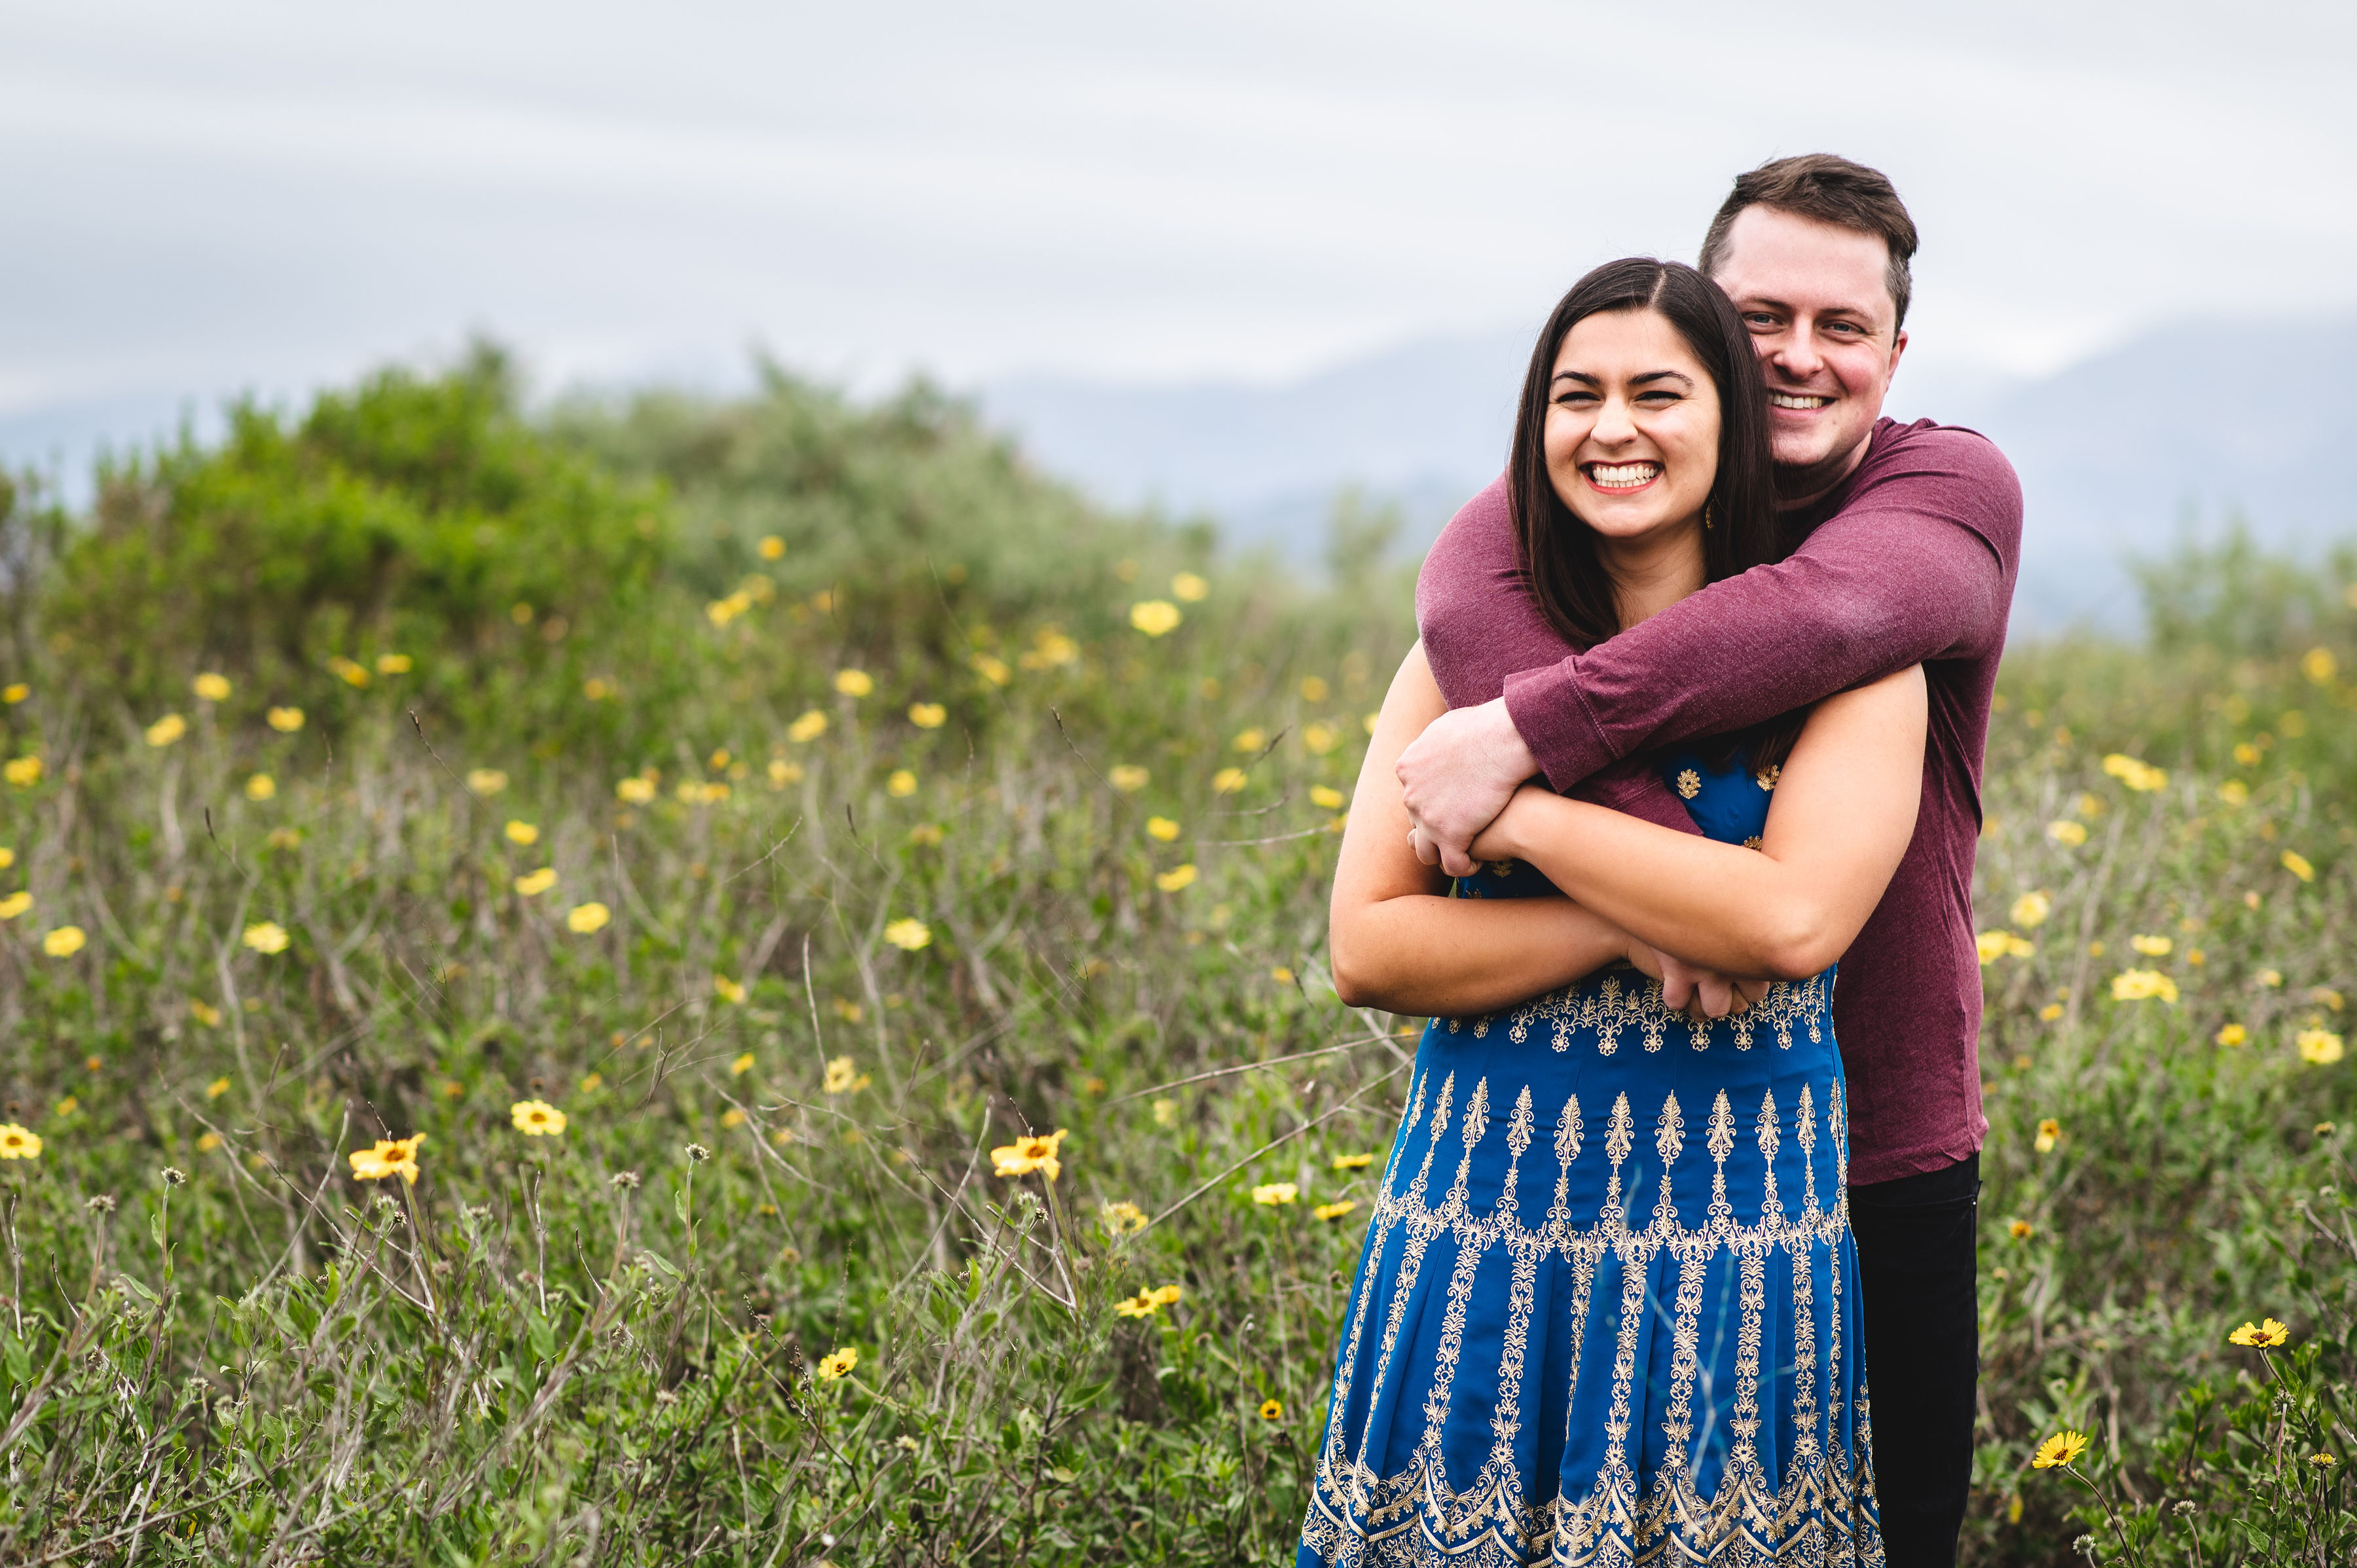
point(1456, 776)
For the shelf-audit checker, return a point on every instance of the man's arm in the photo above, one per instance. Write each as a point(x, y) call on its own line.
point(1915, 568)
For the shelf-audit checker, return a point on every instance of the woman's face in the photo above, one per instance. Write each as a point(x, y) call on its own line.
point(1631, 427)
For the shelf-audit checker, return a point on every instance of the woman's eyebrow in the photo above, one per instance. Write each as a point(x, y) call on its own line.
point(1580, 376)
point(1661, 376)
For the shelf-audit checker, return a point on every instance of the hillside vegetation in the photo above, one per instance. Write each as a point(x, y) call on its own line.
point(814, 935)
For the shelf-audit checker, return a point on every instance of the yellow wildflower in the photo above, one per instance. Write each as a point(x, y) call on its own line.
point(1281, 974)
point(216, 1089)
point(991, 669)
point(1024, 1156)
point(64, 943)
point(810, 727)
point(1274, 1194)
point(487, 780)
point(1326, 797)
point(2050, 1133)
point(285, 838)
point(727, 989)
point(167, 730)
point(2051, 1012)
point(1992, 946)
point(1155, 616)
point(2270, 977)
point(1189, 588)
point(1123, 1219)
point(2232, 1035)
point(2058, 1449)
point(285, 720)
point(13, 692)
point(209, 1016)
point(583, 918)
point(521, 832)
point(16, 1144)
point(635, 792)
point(1050, 647)
point(782, 773)
point(2020, 1230)
point(391, 1156)
point(1139, 1306)
point(1351, 1162)
point(2328, 996)
point(2142, 985)
point(209, 1143)
point(536, 1118)
point(1314, 689)
point(909, 934)
point(844, 1076)
point(854, 682)
point(533, 884)
point(2298, 864)
point(349, 673)
point(770, 547)
point(2151, 947)
point(2323, 1461)
point(928, 716)
point(2267, 1335)
point(210, 688)
point(901, 785)
point(16, 903)
point(1330, 1212)
point(1271, 1409)
point(2319, 665)
point(7, 857)
point(2320, 1047)
point(1250, 739)
point(261, 787)
point(1165, 1296)
point(2141, 777)
point(394, 664)
point(266, 937)
point(1128, 778)
point(1320, 739)
point(1171, 881)
point(1161, 828)
point(1166, 1113)
point(927, 833)
point(836, 1365)
point(1228, 780)
point(2067, 832)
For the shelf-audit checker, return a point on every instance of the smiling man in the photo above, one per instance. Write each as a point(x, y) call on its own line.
point(1908, 540)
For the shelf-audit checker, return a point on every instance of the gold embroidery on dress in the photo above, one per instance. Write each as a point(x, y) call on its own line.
point(1767, 777)
point(1753, 842)
point(1619, 1002)
point(1689, 783)
point(1818, 1510)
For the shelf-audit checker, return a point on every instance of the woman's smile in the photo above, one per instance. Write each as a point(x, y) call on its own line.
point(1621, 479)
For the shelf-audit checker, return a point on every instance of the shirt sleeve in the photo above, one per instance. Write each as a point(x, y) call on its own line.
point(1917, 566)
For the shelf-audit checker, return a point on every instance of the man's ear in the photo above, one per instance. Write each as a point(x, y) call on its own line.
point(1897, 347)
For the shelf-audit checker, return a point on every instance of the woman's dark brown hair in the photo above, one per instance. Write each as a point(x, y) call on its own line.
point(1559, 550)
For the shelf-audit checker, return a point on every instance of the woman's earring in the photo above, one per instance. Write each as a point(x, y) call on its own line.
point(1706, 514)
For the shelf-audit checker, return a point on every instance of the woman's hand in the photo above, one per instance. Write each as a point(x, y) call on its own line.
point(1702, 994)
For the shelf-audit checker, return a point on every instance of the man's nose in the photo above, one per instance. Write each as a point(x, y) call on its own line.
point(1797, 353)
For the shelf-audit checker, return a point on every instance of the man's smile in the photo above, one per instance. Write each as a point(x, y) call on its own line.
point(1805, 401)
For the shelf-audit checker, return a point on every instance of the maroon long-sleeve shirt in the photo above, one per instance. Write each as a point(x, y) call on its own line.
point(1910, 560)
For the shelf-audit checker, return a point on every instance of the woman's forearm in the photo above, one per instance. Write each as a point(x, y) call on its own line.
point(1430, 956)
point(1719, 906)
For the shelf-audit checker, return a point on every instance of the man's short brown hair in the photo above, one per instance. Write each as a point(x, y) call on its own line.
point(1832, 190)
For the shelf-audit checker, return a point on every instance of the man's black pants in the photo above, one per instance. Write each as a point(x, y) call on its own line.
point(1915, 1238)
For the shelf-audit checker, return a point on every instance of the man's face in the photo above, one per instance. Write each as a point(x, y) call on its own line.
point(1822, 318)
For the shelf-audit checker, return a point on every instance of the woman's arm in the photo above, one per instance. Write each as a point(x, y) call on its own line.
point(1397, 941)
point(1843, 814)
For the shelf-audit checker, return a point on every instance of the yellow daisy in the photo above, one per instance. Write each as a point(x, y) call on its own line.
point(536, 1118)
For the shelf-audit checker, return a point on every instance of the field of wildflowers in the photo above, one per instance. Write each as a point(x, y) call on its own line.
point(743, 982)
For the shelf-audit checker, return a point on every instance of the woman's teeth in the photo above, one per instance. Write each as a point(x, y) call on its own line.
point(1794, 400)
point(1622, 476)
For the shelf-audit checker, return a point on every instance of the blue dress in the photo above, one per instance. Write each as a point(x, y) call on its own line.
point(1607, 1310)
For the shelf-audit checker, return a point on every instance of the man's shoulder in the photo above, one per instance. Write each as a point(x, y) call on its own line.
point(1926, 445)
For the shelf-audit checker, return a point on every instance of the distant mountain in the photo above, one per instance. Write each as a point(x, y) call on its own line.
point(2124, 453)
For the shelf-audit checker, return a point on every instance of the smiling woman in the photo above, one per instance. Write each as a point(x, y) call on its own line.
point(1644, 368)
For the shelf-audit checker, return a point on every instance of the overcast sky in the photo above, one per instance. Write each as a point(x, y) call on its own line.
point(249, 194)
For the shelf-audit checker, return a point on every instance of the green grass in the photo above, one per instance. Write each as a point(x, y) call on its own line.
point(604, 1345)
